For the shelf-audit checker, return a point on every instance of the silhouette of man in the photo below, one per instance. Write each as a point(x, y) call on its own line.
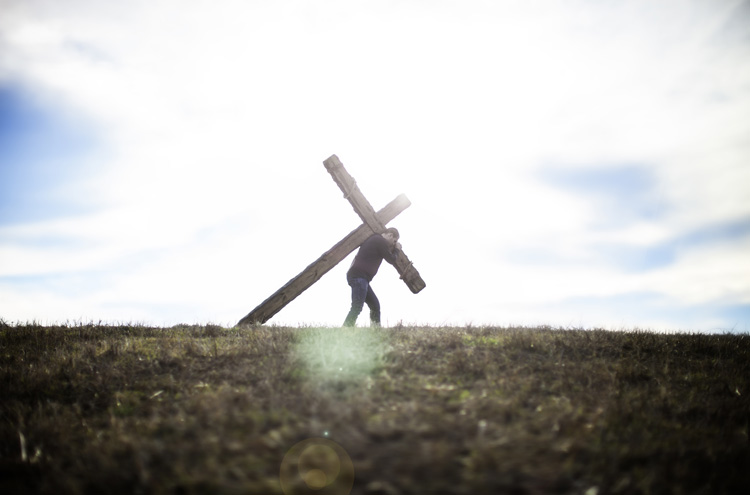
point(372, 252)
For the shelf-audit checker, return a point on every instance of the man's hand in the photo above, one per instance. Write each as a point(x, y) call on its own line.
point(398, 246)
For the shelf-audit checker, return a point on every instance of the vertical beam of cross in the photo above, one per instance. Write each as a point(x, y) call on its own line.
point(362, 207)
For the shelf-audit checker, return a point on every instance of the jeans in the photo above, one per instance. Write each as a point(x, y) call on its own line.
point(362, 293)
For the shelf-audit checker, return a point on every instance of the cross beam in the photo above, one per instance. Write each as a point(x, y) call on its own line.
point(374, 223)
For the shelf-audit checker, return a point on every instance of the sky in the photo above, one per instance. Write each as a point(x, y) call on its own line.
point(577, 164)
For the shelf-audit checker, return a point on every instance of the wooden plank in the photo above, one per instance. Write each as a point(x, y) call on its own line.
point(362, 207)
point(351, 191)
point(321, 266)
point(408, 273)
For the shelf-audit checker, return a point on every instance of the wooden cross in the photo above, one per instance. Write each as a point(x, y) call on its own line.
point(374, 222)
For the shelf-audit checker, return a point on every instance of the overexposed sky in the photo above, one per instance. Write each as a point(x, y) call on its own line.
point(570, 163)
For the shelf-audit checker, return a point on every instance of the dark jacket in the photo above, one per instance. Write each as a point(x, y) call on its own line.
point(371, 253)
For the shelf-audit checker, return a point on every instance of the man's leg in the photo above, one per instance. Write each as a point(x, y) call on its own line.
point(372, 302)
point(360, 288)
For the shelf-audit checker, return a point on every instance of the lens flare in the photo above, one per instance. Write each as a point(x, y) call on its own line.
point(317, 465)
point(341, 354)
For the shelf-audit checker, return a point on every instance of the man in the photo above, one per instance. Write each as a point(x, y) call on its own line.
point(372, 252)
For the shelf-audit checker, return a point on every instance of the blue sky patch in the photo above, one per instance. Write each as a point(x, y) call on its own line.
point(726, 231)
point(41, 155)
point(621, 194)
point(640, 259)
point(634, 258)
point(637, 258)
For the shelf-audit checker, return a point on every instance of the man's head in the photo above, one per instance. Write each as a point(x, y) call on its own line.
point(391, 235)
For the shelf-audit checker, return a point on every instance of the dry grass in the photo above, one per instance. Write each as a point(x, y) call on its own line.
point(188, 409)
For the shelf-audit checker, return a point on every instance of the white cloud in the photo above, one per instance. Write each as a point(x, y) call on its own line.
point(217, 117)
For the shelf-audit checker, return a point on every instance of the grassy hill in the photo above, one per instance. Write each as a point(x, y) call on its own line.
point(418, 410)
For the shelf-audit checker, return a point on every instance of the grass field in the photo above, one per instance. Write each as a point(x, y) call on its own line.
point(418, 410)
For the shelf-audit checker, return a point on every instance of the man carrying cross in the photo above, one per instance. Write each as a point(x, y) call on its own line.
point(365, 264)
point(364, 267)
